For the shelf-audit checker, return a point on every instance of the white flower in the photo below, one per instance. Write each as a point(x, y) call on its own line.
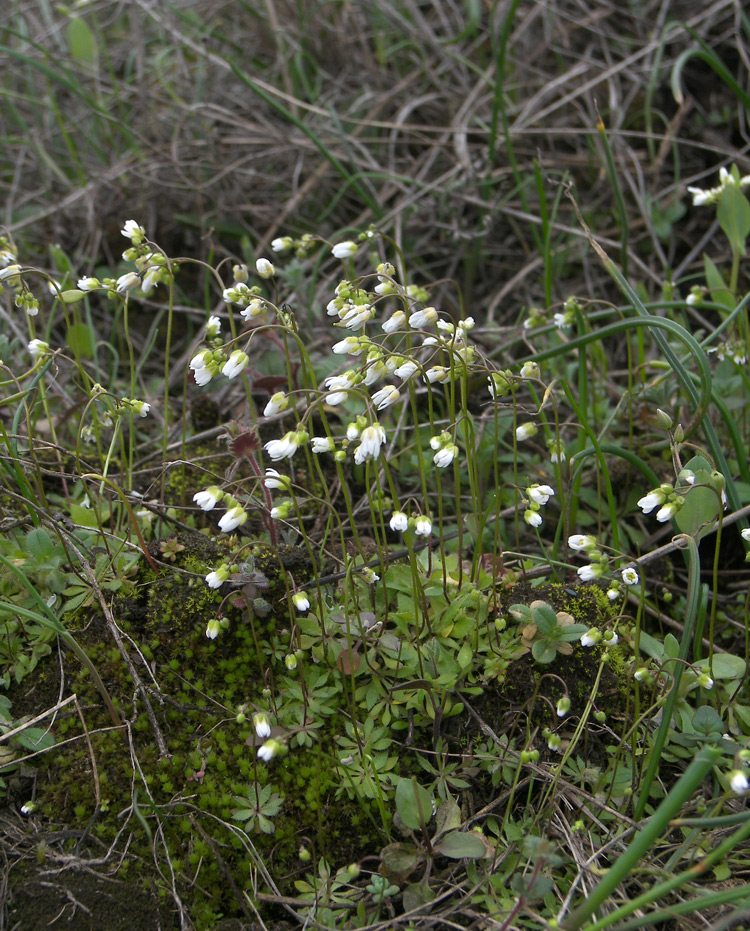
point(203, 375)
point(540, 493)
point(591, 637)
point(345, 250)
point(127, 282)
point(556, 450)
point(87, 284)
point(399, 522)
point(385, 397)
point(10, 271)
point(301, 602)
point(239, 293)
point(140, 407)
point(277, 403)
point(38, 348)
point(613, 594)
point(423, 526)
point(134, 232)
point(610, 638)
point(438, 373)
point(376, 369)
point(581, 541)
point(236, 363)
point(282, 244)
point(201, 359)
point(525, 431)
point(705, 681)
point(630, 576)
point(352, 432)
point(350, 346)
point(213, 628)
point(667, 512)
point(371, 440)
point(284, 448)
point(217, 578)
point(262, 725)
point(532, 518)
point(357, 316)
point(563, 706)
point(445, 456)
point(213, 327)
point(422, 318)
point(640, 674)
point(264, 268)
point(256, 308)
point(234, 517)
point(653, 499)
point(499, 384)
point(590, 572)
point(275, 479)
point(530, 370)
point(738, 782)
point(269, 750)
point(208, 499)
point(406, 369)
point(745, 534)
point(397, 321)
point(369, 575)
point(321, 444)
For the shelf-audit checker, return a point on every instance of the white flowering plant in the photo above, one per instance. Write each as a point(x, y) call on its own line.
point(370, 526)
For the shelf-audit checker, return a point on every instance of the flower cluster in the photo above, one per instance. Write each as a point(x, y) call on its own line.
point(421, 525)
point(665, 498)
point(235, 515)
point(734, 349)
point(536, 498)
point(732, 178)
point(445, 450)
point(586, 544)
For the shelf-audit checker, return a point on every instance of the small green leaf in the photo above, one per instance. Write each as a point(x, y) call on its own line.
point(719, 293)
point(400, 858)
point(671, 646)
point(460, 844)
point(81, 41)
point(83, 516)
point(651, 646)
point(413, 803)
point(543, 651)
point(572, 632)
point(39, 544)
point(81, 339)
point(448, 816)
point(465, 656)
point(72, 296)
point(733, 214)
point(723, 666)
point(702, 502)
point(544, 617)
point(417, 894)
point(707, 721)
point(520, 612)
point(35, 738)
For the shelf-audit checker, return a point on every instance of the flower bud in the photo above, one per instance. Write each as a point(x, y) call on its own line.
point(663, 419)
